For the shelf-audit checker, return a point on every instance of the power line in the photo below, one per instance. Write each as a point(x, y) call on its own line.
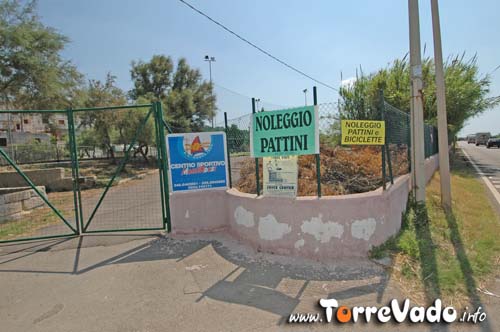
point(232, 91)
point(257, 47)
point(247, 97)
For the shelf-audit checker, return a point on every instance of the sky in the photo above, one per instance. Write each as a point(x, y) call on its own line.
point(326, 39)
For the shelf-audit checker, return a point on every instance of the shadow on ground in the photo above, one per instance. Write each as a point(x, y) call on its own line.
point(253, 282)
point(429, 267)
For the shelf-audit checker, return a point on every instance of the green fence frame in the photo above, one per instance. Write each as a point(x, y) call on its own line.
point(73, 231)
point(156, 112)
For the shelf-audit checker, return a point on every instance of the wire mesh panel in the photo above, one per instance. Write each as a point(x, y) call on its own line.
point(344, 169)
point(238, 145)
point(36, 176)
point(329, 124)
point(398, 138)
point(430, 140)
point(125, 191)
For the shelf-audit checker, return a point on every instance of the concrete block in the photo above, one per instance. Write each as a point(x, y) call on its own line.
point(41, 189)
point(16, 196)
point(12, 217)
point(33, 203)
point(11, 208)
point(88, 182)
point(40, 177)
point(64, 184)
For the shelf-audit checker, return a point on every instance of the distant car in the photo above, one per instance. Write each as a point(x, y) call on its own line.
point(471, 139)
point(482, 138)
point(493, 142)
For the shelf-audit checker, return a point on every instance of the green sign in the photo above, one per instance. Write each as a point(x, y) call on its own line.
point(285, 133)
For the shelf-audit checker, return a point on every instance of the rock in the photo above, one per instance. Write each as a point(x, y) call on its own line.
point(384, 261)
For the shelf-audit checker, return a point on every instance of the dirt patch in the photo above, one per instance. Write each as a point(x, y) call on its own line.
point(102, 170)
point(343, 170)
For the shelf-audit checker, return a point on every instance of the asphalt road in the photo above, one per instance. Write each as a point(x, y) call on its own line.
point(155, 283)
point(488, 161)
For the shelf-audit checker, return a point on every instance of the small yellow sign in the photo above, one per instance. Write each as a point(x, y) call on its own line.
point(363, 132)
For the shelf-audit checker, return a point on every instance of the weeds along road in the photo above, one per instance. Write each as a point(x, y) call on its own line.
point(488, 163)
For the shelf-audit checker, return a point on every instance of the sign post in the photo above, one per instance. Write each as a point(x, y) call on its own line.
point(257, 179)
point(318, 157)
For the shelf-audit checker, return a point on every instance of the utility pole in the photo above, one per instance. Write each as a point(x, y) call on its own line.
point(444, 162)
point(210, 59)
point(305, 96)
point(417, 101)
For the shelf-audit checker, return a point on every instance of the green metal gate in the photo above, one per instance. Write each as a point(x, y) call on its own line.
point(121, 185)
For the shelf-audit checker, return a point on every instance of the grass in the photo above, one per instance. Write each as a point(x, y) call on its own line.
point(43, 221)
point(34, 222)
point(447, 254)
point(104, 171)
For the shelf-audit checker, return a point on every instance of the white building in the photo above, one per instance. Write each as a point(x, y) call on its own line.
point(27, 123)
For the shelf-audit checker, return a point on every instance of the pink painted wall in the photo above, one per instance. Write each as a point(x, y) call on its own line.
point(322, 229)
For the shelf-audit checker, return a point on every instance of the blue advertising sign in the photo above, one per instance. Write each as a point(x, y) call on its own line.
point(197, 161)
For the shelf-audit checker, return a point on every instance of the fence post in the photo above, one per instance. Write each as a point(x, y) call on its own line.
point(386, 143)
point(318, 158)
point(58, 157)
point(257, 178)
point(77, 198)
point(408, 142)
point(159, 160)
point(163, 150)
point(228, 152)
point(381, 115)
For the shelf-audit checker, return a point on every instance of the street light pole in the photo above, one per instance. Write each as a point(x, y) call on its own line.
point(305, 96)
point(210, 59)
point(417, 102)
point(444, 162)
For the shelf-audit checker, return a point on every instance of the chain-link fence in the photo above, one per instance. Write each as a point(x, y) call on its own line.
point(431, 140)
point(36, 183)
point(343, 169)
point(82, 170)
point(34, 137)
point(124, 181)
point(398, 139)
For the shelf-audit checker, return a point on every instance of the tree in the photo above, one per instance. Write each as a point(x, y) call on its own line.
point(87, 141)
point(103, 123)
point(152, 80)
point(238, 140)
point(33, 74)
point(128, 125)
point(188, 100)
point(466, 91)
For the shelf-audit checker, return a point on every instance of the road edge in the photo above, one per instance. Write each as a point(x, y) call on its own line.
point(493, 192)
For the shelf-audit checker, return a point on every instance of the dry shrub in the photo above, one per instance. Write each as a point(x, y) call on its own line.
point(343, 170)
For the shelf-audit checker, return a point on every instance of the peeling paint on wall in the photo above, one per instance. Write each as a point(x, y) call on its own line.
point(363, 229)
point(299, 243)
point(271, 229)
point(244, 217)
point(321, 231)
